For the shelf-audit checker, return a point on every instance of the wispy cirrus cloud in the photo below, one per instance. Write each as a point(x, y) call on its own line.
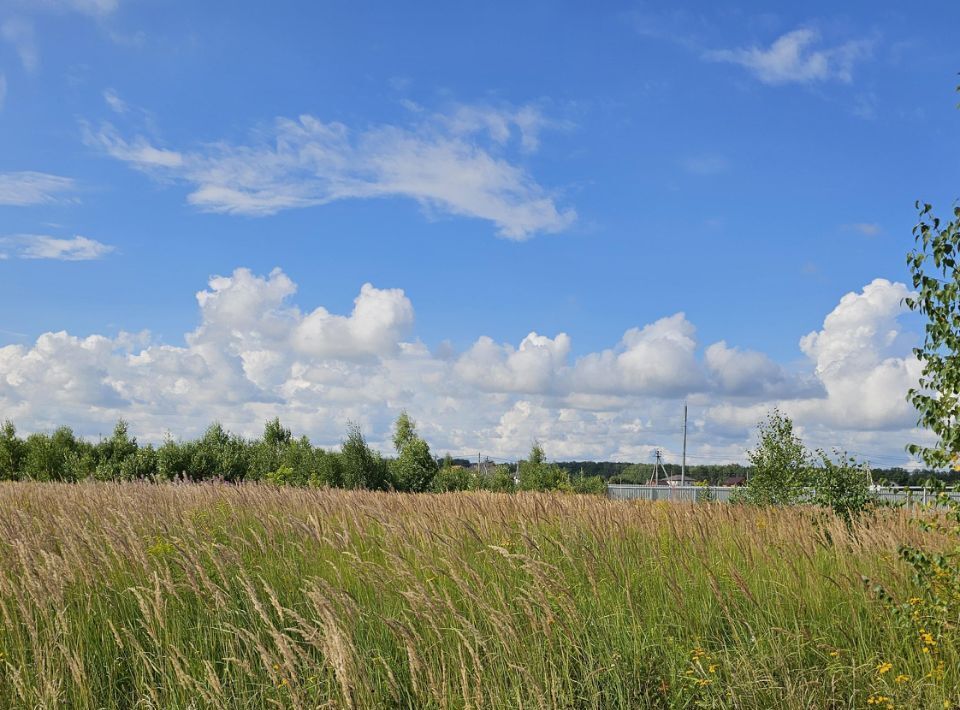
point(18, 28)
point(797, 57)
point(27, 187)
point(116, 104)
point(465, 162)
point(19, 33)
point(705, 164)
point(93, 8)
point(867, 229)
point(42, 246)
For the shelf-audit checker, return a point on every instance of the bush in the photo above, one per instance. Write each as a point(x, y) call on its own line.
point(593, 485)
point(843, 486)
point(452, 478)
point(285, 476)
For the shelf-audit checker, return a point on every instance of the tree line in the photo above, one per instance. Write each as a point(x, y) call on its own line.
point(275, 457)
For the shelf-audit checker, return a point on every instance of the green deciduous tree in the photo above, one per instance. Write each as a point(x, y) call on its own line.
point(936, 277)
point(404, 431)
point(781, 464)
point(935, 612)
point(538, 475)
point(219, 454)
point(362, 467)
point(11, 452)
point(173, 458)
point(51, 457)
point(113, 451)
point(414, 468)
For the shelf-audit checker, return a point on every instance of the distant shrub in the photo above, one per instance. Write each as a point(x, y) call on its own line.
point(843, 485)
point(452, 478)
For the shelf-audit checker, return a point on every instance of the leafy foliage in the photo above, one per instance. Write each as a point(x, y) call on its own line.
point(536, 474)
point(12, 451)
point(452, 477)
point(362, 467)
point(843, 485)
point(934, 614)
point(781, 464)
point(414, 468)
point(934, 267)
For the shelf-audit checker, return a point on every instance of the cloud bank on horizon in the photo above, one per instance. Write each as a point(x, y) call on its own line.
point(255, 355)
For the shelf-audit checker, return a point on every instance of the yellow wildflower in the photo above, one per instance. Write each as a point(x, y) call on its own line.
point(835, 654)
point(884, 667)
point(712, 668)
point(900, 679)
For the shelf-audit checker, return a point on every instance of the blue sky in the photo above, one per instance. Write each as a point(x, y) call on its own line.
point(511, 167)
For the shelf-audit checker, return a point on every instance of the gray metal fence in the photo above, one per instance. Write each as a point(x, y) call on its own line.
point(702, 494)
point(625, 491)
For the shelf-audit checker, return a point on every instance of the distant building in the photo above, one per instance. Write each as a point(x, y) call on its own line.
point(734, 481)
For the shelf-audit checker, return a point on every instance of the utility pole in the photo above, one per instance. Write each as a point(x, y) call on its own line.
point(657, 465)
point(683, 464)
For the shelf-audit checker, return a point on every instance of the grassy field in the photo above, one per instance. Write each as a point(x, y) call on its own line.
point(139, 595)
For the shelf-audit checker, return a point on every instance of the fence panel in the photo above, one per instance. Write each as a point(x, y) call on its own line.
point(703, 494)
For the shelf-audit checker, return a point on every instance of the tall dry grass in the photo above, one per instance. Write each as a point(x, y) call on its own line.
point(138, 595)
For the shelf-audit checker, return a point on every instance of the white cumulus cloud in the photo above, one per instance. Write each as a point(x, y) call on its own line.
point(536, 366)
point(749, 373)
point(862, 358)
point(380, 318)
point(658, 359)
point(255, 354)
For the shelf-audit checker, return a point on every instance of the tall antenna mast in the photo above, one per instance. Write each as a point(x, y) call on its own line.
point(683, 465)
